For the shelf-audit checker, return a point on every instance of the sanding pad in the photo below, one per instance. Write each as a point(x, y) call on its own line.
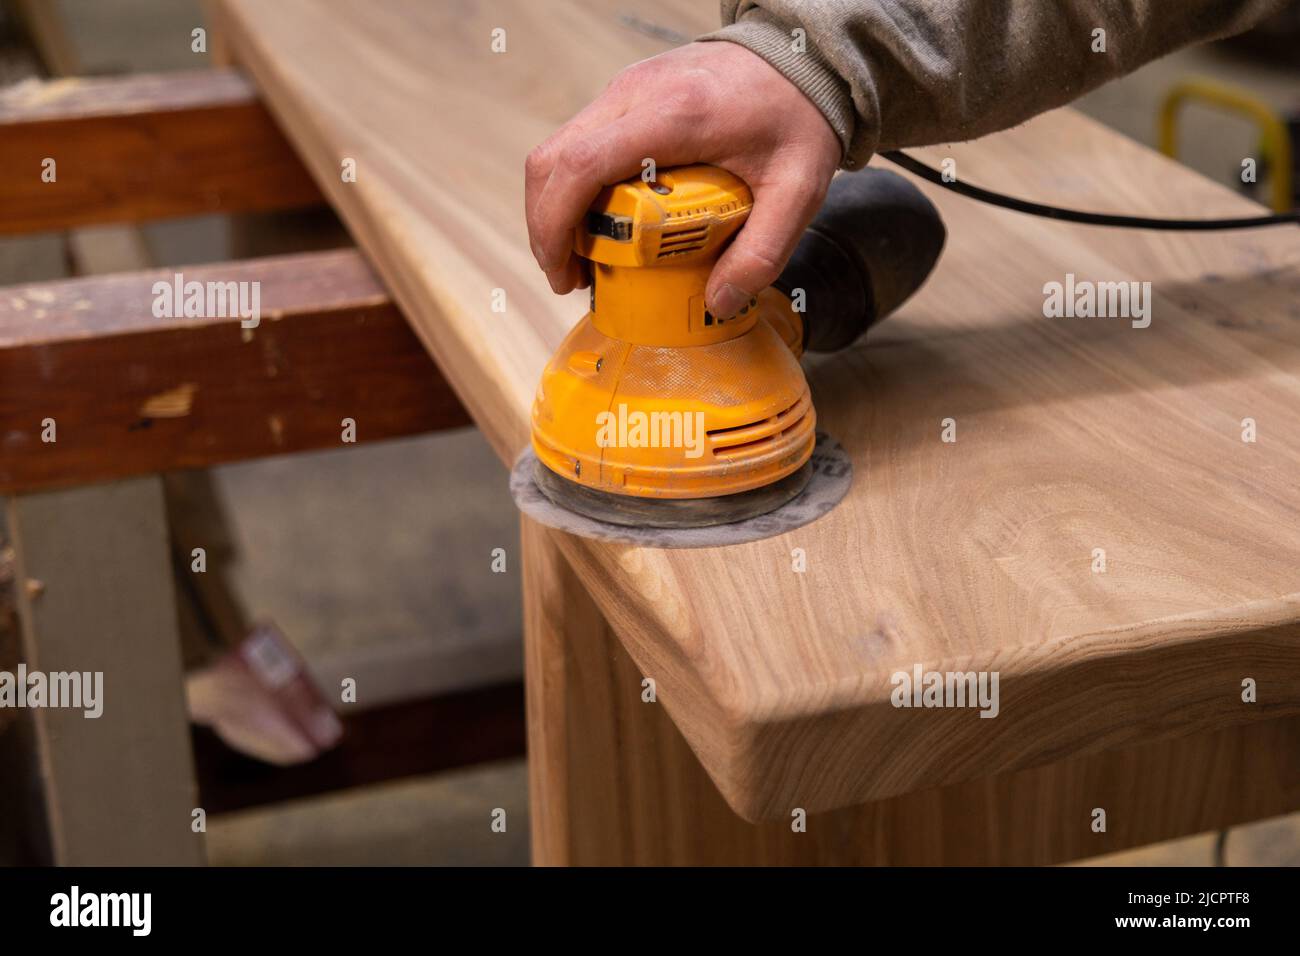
point(633, 512)
point(829, 480)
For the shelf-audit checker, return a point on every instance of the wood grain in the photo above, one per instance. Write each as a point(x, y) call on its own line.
point(1072, 434)
point(131, 393)
point(118, 788)
point(142, 147)
point(613, 782)
point(10, 651)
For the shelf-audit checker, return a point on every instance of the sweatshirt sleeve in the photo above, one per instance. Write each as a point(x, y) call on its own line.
point(893, 73)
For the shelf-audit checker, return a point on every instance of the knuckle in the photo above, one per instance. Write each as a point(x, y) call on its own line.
point(582, 156)
point(762, 262)
point(537, 163)
point(693, 102)
point(626, 79)
point(537, 160)
point(804, 192)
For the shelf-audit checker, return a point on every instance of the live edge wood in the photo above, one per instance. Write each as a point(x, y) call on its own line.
point(130, 393)
point(141, 147)
point(1072, 434)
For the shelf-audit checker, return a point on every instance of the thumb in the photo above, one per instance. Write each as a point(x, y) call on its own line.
point(763, 246)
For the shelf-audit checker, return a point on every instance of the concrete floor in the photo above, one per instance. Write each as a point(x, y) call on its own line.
point(384, 549)
point(442, 820)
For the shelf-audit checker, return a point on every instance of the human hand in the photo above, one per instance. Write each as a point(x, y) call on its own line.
point(714, 103)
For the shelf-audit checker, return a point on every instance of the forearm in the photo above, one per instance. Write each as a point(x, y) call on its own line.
point(894, 73)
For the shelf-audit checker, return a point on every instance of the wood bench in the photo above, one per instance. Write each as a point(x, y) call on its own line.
point(132, 395)
point(1121, 690)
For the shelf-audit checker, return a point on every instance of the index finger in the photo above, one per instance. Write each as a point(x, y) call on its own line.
point(587, 162)
point(541, 160)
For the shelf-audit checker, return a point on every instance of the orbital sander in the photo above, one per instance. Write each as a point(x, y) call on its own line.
point(656, 412)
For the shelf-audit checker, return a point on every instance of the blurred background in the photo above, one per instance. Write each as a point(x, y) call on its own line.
point(382, 528)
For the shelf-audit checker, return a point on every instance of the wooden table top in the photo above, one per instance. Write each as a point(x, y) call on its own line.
point(979, 554)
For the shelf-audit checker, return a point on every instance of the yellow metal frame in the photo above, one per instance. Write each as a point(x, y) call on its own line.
point(1273, 131)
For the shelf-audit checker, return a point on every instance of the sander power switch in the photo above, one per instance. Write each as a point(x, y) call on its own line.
point(684, 216)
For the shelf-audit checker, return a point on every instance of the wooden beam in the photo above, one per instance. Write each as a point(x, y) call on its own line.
point(130, 393)
point(43, 21)
point(142, 147)
point(118, 786)
point(205, 601)
point(10, 654)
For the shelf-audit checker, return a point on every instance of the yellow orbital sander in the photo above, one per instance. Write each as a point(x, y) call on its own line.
point(655, 412)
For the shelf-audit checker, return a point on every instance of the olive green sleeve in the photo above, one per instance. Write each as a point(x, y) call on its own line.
point(894, 73)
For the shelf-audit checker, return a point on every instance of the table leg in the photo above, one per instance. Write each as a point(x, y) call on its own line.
point(611, 780)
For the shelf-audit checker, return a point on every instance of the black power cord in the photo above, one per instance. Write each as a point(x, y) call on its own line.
point(1087, 218)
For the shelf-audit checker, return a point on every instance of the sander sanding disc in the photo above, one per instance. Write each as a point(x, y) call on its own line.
point(832, 473)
